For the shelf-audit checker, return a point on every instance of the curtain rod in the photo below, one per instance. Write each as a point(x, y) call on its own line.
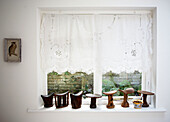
point(128, 12)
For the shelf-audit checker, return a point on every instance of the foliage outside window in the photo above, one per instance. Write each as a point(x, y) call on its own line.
point(112, 81)
point(73, 83)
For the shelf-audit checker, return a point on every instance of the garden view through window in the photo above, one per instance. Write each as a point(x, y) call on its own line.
point(73, 83)
point(112, 81)
point(81, 81)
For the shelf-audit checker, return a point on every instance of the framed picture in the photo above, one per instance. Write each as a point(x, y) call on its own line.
point(12, 49)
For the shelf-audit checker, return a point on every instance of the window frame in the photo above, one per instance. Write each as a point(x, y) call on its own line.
point(97, 86)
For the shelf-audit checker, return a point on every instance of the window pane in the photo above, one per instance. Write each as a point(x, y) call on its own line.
point(112, 81)
point(70, 82)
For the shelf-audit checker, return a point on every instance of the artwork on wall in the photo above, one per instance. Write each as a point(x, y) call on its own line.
point(12, 49)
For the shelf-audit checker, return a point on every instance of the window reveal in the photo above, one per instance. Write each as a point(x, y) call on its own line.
point(96, 43)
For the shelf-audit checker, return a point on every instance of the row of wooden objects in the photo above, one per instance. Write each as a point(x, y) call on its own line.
point(125, 102)
point(62, 100)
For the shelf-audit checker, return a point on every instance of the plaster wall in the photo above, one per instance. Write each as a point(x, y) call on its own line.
point(19, 81)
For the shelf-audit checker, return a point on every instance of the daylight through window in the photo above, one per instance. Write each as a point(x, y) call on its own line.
point(96, 53)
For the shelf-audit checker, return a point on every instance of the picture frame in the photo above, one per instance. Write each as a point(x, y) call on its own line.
point(12, 49)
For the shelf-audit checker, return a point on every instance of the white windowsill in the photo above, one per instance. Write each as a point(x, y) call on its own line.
point(100, 108)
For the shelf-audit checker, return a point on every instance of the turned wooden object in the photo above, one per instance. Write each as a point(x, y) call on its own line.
point(110, 98)
point(93, 99)
point(145, 93)
point(76, 100)
point(61, 100)
point(126, 92)
point(48, 100)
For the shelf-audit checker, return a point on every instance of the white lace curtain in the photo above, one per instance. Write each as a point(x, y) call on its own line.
point(79, 42)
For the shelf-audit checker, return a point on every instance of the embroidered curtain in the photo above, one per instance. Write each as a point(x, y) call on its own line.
point(79, 42)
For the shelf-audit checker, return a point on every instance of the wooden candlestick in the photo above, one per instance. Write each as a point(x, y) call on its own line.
point(110, 98)
point(145, 93)
point(126, 92)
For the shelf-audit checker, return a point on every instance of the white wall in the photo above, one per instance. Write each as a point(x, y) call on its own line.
point(18, 81)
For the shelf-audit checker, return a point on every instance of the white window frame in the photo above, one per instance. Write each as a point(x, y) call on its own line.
point(97, 86)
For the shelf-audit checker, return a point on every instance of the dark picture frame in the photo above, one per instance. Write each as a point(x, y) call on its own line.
point(12, 49)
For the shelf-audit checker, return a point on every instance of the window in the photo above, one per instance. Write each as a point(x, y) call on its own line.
point(112, 81)
point(73, 83)
point(113, 47)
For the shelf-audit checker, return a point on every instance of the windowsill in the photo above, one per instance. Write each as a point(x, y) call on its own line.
point(100, 108)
